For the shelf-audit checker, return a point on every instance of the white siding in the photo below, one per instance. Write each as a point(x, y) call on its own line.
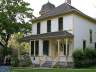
point(68, 23)
point(43, 27)
point(81, 31)
point(54, 25)
point(34, 28)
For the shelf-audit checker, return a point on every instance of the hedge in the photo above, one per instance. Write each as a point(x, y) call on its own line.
point(84, 58)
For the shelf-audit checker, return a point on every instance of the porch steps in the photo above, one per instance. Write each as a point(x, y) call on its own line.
point(47, 64)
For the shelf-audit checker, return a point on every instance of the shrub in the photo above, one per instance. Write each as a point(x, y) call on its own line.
point(6, 51)
point(78, 56)
point(25, 60)
point(56, 66)
point(84, 58)
point(14, 61)
point(90, 53)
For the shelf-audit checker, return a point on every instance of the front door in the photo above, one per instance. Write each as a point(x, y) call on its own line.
point(46, 47)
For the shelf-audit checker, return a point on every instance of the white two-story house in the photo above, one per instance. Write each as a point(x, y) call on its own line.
point(58, 31)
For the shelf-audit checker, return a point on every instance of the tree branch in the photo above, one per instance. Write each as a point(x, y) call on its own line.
point(2, 44)
point(7, 39)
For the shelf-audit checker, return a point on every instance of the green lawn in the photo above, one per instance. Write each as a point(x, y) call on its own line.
point(52, 70)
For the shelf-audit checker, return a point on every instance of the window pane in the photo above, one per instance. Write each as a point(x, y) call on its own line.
point(95, 45)
point(49, 26)
point(60, 24)
point(46, 47)
point(90, 31)
point(38, 28)
point(32, 47)
point(84, 44)
point(64, 49)
point(37, 48)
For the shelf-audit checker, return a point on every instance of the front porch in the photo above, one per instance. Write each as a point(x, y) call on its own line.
point(54, 47)
point(51, 48)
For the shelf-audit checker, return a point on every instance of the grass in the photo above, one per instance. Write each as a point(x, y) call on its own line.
point(51, 70)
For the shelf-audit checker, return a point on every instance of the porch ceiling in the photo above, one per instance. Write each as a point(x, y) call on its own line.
point(49, 35)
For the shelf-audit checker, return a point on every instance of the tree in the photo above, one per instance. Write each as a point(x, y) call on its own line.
point(18, 48)
point(12, 20)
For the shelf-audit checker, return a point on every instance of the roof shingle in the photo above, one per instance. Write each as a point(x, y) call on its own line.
point(62, 9)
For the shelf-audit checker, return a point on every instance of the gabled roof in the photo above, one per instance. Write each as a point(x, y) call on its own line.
point(61, 10)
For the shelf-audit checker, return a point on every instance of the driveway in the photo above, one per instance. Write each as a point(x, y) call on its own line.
point(5, 69)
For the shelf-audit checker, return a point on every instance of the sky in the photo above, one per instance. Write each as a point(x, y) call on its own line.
point(86, 6)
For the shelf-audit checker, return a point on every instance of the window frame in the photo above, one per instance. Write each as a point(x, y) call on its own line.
point(46, 46)
point(60, 24)
point(37, 48)
point(38, 28)
point(91, 35)
point(48, 25)
point(84, 44)
point(32, 48)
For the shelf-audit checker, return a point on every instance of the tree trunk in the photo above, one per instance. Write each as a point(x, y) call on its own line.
point(5, 49)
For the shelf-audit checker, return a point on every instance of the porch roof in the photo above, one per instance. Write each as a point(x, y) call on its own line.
point(50, 35)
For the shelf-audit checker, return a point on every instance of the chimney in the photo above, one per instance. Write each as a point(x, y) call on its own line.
point(68, 1)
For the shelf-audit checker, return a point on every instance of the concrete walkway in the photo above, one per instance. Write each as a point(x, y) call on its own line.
point(5, 69)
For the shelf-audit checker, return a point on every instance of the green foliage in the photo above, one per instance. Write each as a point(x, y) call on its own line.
point(84, 58)
point(6, 51)
point(25, 60)
point(12, 19)
point(24, 48)
point(57, 66)
point(90, 53)
point(1, 51)
point(14, 61)
point(21, 47)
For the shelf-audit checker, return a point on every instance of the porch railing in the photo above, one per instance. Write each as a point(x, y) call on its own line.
point(42, 59)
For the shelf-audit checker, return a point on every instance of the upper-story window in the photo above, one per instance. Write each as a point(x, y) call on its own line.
point(60, 24)
point(38, 28)
point(90, 32)
point(49, 26)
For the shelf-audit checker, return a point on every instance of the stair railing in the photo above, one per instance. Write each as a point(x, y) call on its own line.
point(55, 61)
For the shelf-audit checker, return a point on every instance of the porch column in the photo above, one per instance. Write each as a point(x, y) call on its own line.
point(40, 47)
point(58, 41)
point(34, 48)
point(66, 45)
point(50, 48)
